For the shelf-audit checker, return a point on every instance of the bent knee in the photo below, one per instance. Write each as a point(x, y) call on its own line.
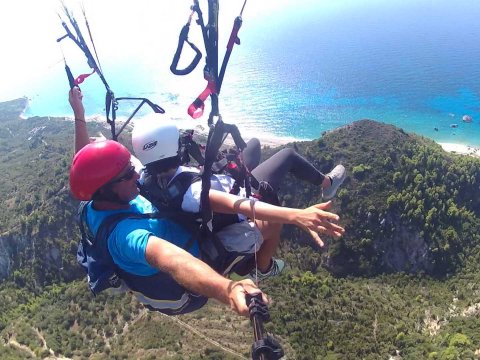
point(268, 229)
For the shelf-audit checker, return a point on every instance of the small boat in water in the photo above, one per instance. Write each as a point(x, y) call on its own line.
point(454, 125)
point(467, 118)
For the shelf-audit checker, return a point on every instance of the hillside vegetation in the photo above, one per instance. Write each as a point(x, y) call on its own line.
point(402, 282)
point(407, 205)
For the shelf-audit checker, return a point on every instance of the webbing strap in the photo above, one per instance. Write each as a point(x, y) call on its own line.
point(234, 39)
point(110, 222)
point(71, 80)
point(80, 78)
point(195, 110)
point(216, 136)
point(211, 74)
point(183, 38)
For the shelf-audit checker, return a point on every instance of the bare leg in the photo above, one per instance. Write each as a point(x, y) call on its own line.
point(271, 239)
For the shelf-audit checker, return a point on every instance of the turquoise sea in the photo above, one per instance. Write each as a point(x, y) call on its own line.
point(310, 66)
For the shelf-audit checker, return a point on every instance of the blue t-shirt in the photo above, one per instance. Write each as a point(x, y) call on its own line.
point(127, 243)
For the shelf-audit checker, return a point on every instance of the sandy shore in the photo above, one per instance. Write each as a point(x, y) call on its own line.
point(449, 147)
point(275, 141)
point(267, 139)
point(461, 149)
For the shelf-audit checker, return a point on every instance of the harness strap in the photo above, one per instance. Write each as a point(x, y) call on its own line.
point(171, 197)
point(110, 222)
point(190, 147)
point(234, 39)
point(210, 71)
point(216, 137)
point(195, 110)
point(71, 80)
point(87, 236)
point(80, 78)
point(183, 38)
point(210, 38)
point(94, 256)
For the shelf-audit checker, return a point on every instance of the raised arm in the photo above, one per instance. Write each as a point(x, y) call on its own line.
point(197, 276)
point(314, 219)
point(81, 134)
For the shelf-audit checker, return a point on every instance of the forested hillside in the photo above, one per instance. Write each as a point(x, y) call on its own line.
point(408, 205)
point(402, 282)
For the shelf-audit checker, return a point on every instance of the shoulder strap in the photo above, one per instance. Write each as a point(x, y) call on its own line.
point(179, 186)
point(109, 223)
point(87, 235)
point(189, 148)
point(171, 197)
point(93, 254)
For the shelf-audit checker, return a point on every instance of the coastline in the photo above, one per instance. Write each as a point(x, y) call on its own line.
point(453, 148)
point(275, 141)
point(266, 139)
point(25, 107)
point(461, 149)
point(270, 140)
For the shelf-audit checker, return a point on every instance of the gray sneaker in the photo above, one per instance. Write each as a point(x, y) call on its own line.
point(337, 175)
point(276, 269)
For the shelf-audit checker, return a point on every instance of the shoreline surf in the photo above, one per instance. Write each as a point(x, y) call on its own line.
point(271, 140)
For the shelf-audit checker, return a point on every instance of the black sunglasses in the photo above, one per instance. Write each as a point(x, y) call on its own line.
point(128, 176)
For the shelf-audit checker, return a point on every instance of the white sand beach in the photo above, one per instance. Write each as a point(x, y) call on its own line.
point(266, 139)
point(270, 140)
point(461, 149)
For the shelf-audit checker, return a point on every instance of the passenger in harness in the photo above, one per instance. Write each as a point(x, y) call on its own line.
point(149, 253)
point(169, 184)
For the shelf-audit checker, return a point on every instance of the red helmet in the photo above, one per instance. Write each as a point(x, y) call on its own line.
point(95, 165)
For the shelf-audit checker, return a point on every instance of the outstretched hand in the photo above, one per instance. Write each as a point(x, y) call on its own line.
point(75, 97)
point(316, 219)
point(237, 295)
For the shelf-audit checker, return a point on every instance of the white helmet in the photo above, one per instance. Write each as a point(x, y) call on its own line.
point(154, 138)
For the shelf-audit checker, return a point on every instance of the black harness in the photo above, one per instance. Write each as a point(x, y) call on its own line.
point(159, 291)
